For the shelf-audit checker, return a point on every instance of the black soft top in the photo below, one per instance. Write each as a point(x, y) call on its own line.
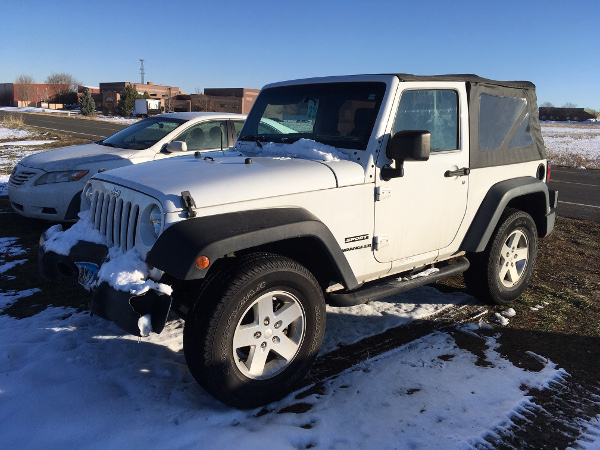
point(493, 120)
point(469, 78)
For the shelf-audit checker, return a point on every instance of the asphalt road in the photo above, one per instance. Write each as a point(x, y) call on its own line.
point(83, 128)
point(578, 192)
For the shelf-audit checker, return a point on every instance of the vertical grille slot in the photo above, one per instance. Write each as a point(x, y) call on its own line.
point(116, 219)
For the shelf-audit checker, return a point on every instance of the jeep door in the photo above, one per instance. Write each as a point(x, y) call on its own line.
point(420, 213)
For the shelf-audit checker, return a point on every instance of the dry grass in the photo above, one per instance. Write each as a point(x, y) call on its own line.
point(573, 160)
point(13, 121)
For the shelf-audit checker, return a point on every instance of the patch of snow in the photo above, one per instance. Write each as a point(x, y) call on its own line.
point(7, 298)
point(4, 184)
point(347, 325)
point(127, 272)
point(500, 319)
point(62, 243)
point(145, 325)
point(510, 312)
point(303, 148)
point(24, 143)
point(12, 133)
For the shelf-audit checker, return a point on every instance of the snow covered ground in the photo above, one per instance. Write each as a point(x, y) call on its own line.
point(69, 380)
point(572, 144)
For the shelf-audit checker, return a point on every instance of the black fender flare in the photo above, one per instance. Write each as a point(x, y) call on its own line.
point(176, 250)
point(498, 197)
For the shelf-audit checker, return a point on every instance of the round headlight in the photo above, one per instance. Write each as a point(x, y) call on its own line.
point(156, 220)
point(88, 194)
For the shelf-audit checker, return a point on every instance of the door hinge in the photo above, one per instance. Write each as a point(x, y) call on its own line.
point(380, 241)
point(382, 192)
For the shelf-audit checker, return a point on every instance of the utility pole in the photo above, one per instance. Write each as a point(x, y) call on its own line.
point(142, 70)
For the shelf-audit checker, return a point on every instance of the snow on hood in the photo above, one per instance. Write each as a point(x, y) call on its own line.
point(229, 179)
point(74, 157)
point(303, 148)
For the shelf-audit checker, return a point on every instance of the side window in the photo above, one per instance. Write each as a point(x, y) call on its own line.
point(497, 117)
point(434, 110)
point(205, 135)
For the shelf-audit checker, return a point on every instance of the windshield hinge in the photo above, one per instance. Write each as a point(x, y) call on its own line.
point(188, 203)
point(382, 193)
point(380, 242)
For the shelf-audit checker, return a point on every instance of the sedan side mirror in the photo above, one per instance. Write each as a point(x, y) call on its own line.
point(408, 145)
point(176, 146)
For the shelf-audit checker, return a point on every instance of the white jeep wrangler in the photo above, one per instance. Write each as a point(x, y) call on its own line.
point(336, 189)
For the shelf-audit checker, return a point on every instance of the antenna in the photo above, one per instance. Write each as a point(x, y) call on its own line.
point(142, 70)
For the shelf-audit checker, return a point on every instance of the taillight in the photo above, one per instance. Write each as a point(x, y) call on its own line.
point(548, 172)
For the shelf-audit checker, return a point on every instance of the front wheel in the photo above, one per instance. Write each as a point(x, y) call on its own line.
point(501, 273)
point(255, 330)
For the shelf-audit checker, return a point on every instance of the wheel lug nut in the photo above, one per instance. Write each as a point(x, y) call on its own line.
point(275, 340)
point(278, 324)
point(257, 335)
point(263, 345)
point(267, 321)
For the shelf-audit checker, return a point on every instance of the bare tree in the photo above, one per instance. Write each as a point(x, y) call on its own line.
point(569, 105)
point(198, 90)
point(64, 78)
point(547, 105)
point(25, 88)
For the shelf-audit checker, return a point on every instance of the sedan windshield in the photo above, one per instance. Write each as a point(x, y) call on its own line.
point(337, 114)
point(143, 134)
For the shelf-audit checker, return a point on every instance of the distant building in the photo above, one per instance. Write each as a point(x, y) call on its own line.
point(34, 94)
point(564, 114)
point(235, 100)
point(111, 93)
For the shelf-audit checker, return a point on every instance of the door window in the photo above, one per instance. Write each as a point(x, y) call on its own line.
point(205, 135)
point(433, 110)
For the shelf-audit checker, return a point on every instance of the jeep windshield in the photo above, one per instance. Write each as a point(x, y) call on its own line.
point(143, 134)
point(337, 114)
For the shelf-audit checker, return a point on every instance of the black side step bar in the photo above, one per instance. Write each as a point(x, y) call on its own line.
point(378, 291)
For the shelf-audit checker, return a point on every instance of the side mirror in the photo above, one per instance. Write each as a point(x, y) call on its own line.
point(176, 146)
point(409, 145)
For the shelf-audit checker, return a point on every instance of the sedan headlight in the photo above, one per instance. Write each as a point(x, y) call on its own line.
point(61, 177)
point(156, 220)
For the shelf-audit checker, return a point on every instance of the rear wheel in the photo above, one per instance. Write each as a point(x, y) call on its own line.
point(255, 330)
point(501, 272)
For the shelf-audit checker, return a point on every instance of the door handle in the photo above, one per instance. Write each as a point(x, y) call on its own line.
point(457, 173)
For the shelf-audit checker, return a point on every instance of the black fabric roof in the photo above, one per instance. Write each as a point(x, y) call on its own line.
point(464, 77)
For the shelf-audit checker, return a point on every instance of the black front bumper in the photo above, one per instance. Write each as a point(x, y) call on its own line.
point(120, 307)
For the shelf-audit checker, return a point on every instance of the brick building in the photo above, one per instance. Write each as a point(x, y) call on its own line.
point(111, 93)
point(235, 100)
point(564, 114)
point(16, 94)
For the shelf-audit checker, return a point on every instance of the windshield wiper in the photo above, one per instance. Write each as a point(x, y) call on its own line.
point(251, 138)
point(108, 144)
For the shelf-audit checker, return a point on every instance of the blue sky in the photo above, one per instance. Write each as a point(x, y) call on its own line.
point(201, 44)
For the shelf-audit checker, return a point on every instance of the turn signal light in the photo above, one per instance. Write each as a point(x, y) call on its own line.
point(80, 175)
point(202, 262)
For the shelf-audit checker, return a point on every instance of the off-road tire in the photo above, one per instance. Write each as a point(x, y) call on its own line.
point(244, 304)
point(502, 271)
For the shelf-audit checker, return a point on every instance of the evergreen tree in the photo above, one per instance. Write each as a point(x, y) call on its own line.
point(127, 101)
point(88, 106)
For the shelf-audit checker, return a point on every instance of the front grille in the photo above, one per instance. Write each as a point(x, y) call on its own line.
point(116, 219)
point(20, 178)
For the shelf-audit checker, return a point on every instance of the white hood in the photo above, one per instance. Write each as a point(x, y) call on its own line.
point(75, 157)
point(231, 179)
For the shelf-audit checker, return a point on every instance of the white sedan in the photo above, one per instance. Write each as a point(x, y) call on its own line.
point(48, 185)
